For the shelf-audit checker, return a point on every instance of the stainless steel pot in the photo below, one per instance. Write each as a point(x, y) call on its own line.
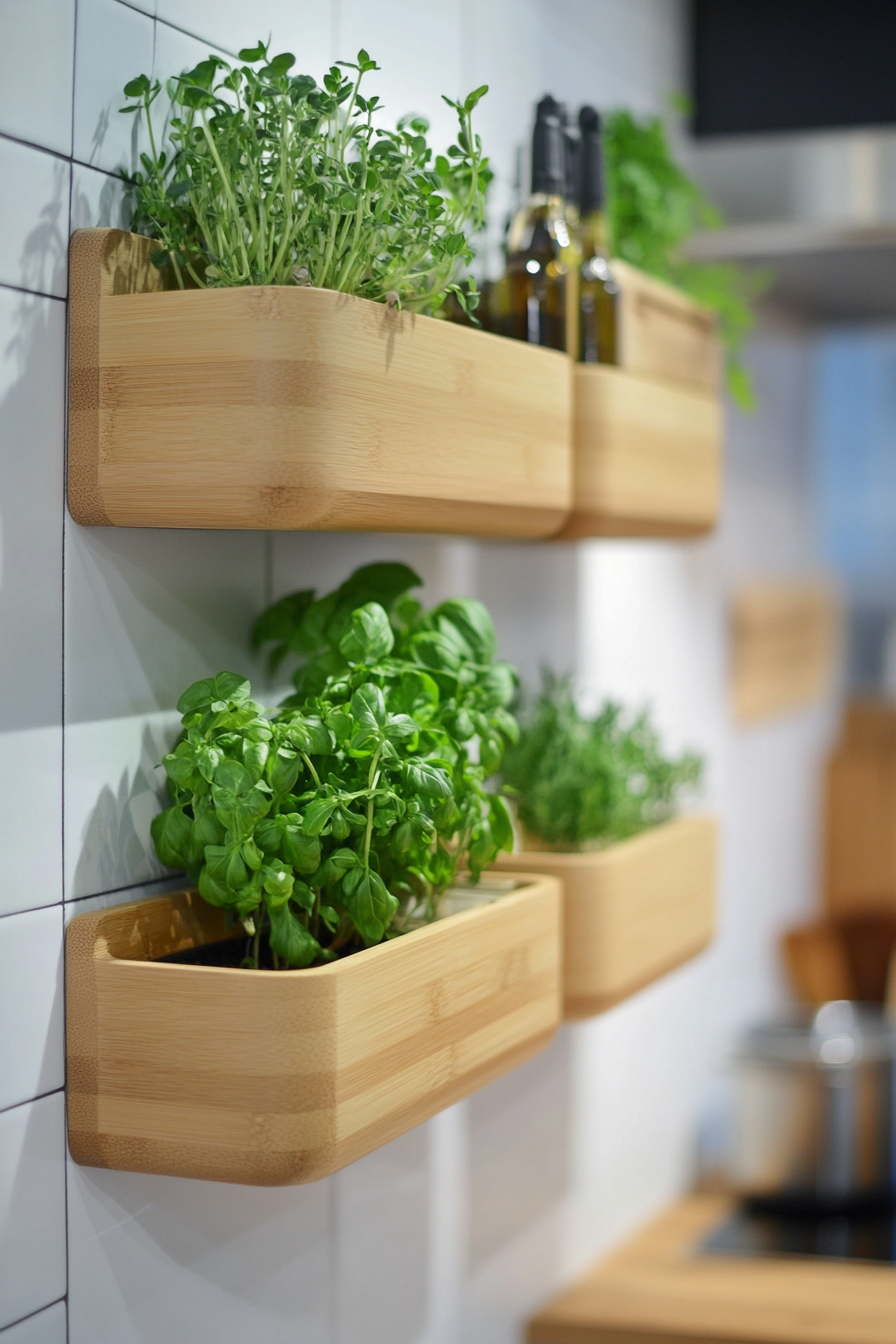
point(814, 1105)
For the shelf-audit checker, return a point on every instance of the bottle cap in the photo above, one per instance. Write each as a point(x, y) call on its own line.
point(572, 145)
point(548, 150)
point(591, 162)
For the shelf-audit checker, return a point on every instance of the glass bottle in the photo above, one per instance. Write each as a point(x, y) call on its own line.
point(598, 291)
point(530, 301)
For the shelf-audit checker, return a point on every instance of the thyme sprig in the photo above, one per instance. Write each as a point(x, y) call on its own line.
point(272, 180)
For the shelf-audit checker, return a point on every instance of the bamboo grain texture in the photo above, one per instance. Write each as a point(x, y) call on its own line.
point(659, 1290)
point(784, 646)
point(647, 456)
point(281, 1078)
point(287, 407)
point(664, 334)
point(860, 813)
point(633, 911)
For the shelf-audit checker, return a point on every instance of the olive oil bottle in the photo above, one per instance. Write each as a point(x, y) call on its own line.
point(534, 300)
point(598, 292)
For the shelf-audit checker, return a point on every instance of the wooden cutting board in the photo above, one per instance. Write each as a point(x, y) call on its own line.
point(657, 1290)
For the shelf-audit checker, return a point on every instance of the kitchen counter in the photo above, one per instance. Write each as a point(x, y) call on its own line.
point(656, 1290)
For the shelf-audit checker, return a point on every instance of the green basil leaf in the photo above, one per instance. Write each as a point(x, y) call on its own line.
point(291, 940)
point(372, 907)
point(369, 637)
point(301, 850)
point(278, 883)
point(282, 769)
point(429, 779)
point(368, 707)
point(172, 836)
point(201, 695)
point(317, 814)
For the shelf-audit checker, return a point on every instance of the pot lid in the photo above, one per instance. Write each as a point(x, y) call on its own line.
point(838, 1035)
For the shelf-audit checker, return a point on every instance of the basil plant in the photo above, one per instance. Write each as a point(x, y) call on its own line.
point(341, 818)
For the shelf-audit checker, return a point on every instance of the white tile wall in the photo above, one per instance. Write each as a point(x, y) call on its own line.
point(31, 1051)
point(395, 33)
point(44, 1327)
point(32, 391)
point(33, 219)
point(32, 354)
point(31, 819)
point(99, 200)
point(382, 1212)
point(520, 1129)
point(113, 789)
point(39, 35)
point(32, 1207)
point(114, 44)
point(449, 1235)
point(299, 26)
point(154, 1258)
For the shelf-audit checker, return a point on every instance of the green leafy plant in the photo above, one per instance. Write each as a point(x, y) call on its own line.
point(271, 180)
point(653, 208)
point(580, 780)
point(341, 819)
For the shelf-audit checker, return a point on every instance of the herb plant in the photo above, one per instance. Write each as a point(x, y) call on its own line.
point(271, 180)
point(653, 208)
point(580, 780)
point(340, 819)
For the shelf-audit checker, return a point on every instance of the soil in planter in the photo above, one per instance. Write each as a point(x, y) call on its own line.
point(230, 953)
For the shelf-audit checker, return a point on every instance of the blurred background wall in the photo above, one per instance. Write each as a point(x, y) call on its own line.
point(453, 1233)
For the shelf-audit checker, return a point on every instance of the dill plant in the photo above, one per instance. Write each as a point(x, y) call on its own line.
point(273, 180)
point(581, 780)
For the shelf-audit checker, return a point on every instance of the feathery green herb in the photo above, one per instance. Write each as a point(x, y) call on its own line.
point(578, 780)
point(653, 208)
point(341, 819)
point(271, 180)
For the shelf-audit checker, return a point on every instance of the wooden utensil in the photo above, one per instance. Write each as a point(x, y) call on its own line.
point(817, 963)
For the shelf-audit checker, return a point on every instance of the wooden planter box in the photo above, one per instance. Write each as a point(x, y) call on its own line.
point(300, 408)
point(785, 642)
point(283, 1077)
point(647, 457)
point(664, 334)
point(648, 433)
point(632, 911)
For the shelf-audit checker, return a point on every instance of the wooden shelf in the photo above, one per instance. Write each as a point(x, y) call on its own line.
point(823, 273)
point(659, 1289)
point(301, 408)
point(647, 457)
point(664, 334)
point(632, 912)
point(785, 643)
point(280, 1078)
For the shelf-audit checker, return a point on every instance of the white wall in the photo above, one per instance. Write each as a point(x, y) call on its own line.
point(455, 1231)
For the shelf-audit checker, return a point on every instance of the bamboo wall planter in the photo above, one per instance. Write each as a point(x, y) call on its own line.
point(299, 408)
point(648, 433)
point(860, 813)
point(664, 334)
point(632, 911)
point(784, 647)
point(280, 1078)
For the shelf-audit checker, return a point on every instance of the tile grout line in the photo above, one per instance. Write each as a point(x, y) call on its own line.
point(32, 293)
point(62, 712)
point(40, 149)
point(17, 1106)
point(31, 1315)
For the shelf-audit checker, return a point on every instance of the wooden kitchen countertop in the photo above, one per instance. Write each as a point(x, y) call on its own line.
point(656, 1291)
